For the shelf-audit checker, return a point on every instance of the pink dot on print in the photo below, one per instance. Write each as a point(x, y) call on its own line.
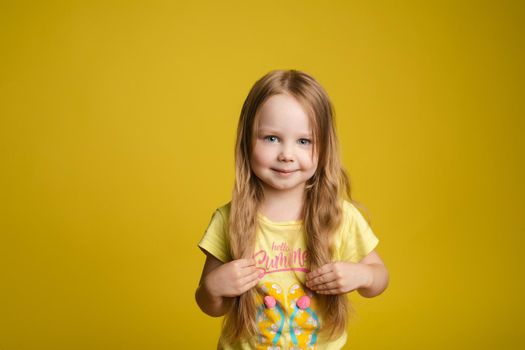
point(303, 302)
point(269, 301)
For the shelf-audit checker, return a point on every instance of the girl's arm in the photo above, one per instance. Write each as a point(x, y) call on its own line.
point(369, 277)
point(378, 276)
point(208, 302)
point(220, 282)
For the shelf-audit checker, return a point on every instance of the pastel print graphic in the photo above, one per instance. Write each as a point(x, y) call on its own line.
point(286, 319)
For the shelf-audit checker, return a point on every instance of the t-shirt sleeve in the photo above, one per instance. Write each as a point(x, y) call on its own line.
point(358, 239)
point(215, 239)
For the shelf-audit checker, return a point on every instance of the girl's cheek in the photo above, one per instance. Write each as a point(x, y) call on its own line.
point(308, 158)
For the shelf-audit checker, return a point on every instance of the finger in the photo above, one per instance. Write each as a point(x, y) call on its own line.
point(245, 262)
point(327, 277)
point(326, 286)
point(249, 282)
point(250, 285)
point(261, 271)
point(320, 271)
point(329, 291)
point(246, 271)
point(250, 278)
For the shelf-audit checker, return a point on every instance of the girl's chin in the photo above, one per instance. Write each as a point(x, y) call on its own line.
point(279, 186)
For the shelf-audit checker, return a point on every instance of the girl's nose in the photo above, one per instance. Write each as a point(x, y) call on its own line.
point(285, 157)
point(286, 154)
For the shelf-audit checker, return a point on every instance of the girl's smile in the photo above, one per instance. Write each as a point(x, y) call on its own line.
point(284, 172)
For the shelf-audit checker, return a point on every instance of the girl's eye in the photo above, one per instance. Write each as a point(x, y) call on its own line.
point(304, 141)
point(271, 138)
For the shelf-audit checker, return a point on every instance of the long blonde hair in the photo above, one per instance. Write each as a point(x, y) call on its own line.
point(322, 210)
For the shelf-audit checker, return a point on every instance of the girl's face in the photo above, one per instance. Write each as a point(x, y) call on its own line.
point(283, 155)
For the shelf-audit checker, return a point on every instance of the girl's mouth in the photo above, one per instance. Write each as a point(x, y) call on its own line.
point(284, 172)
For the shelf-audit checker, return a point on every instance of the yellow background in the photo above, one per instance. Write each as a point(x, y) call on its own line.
point(116, 142)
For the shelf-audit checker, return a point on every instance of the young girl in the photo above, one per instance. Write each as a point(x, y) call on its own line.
point(283, 254)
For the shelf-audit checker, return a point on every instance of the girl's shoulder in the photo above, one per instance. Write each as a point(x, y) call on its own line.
point(351, 209)
point(224, 212)
point(347, 205)
point(355, 239)
point(225, 208)
point(353, 215)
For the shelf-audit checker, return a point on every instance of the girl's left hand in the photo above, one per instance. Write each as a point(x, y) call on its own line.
point(338, 278)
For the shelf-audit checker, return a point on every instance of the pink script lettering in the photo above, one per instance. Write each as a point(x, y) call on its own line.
point(284, 260)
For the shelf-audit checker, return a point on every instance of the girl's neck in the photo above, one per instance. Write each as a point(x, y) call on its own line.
point(283, 205)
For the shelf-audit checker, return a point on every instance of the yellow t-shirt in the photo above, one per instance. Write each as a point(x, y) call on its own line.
point(286, 315)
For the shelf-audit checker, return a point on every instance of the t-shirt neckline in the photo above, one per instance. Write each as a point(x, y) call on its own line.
point(279, 223)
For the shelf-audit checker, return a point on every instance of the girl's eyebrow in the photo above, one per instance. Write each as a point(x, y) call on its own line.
point(273, 131)
point(264, 129)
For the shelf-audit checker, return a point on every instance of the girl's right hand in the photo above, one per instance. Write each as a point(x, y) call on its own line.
point(233, 278)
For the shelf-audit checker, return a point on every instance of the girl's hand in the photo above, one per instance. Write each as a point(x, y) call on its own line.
point(233, 278)
point(338, 278)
